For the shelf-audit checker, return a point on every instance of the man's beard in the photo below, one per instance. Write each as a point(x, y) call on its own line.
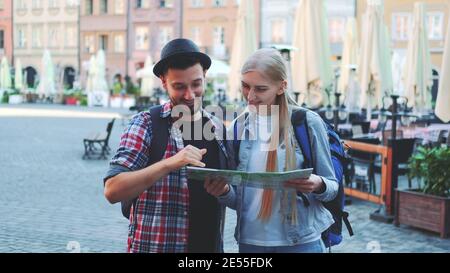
point(187, 110)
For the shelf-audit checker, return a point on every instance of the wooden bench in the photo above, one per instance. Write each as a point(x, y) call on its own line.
point(98, 143)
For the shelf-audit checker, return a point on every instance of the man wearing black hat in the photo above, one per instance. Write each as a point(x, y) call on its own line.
point(170, 213)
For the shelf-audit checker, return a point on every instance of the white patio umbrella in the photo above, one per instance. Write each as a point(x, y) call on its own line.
point(100, 83)
point(18, 75)
point(442, 110)
point(46, 85)
point(349, 55)
point(146, 74)
point(244, 44)
point(311, 64)
point(5, 74)
point(418, 74)
point(92, 74)
point(218, 69)
point(374, 65)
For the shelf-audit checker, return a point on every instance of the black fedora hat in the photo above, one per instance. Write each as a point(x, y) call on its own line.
point(178, 48)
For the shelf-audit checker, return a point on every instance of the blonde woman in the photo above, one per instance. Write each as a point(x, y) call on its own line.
point(277, 220)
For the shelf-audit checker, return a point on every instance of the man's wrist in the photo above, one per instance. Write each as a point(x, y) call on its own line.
point(226, 192)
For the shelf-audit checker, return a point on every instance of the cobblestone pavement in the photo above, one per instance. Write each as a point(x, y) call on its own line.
point(52, 201)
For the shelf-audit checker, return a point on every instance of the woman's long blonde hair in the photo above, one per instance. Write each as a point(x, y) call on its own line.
point(270, 64)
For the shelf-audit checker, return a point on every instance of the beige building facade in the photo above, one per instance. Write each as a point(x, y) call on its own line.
point(152, 24)
point(398, 16)
point(212, 23)
point(103, 25)
point(41, 25)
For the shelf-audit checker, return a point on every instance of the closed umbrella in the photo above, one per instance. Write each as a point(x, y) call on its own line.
point(146, 74)
point(311, 64)
point(417, 73)
point(374, 65)
point(100, 84)
point(92, 74)
point(18, 75)
point(443, 98)
point(46, 85)
point(244, 44)
point(5, 74)
point(349, 55)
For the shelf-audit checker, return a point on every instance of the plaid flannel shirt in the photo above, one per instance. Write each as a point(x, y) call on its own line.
point(159, 222)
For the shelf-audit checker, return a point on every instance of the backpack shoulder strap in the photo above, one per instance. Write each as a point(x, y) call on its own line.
point(160, 136)
point(158, 146)
point(300, 125)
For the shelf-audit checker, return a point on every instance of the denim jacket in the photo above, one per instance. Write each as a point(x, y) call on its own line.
point(313, 219)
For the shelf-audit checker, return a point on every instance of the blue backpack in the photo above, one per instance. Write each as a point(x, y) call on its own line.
point(340, 160)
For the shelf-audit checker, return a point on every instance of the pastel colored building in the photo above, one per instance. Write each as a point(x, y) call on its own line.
point(212, 23)
point(103, 25)
point(6, 46)
point(278, 19)
point(151, 25)
point(47, 24)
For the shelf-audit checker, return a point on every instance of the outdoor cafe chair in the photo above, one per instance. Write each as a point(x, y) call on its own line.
point(404, 150)
point(362, 166)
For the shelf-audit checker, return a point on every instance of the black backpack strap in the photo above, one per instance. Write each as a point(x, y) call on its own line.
point(347, 223)
point(158, 146)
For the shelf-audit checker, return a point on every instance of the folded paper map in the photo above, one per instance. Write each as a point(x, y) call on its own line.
point(266, 180)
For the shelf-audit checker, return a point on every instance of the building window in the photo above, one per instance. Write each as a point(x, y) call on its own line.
point(21, 4)
point(89, 43)
point(336, 29)
point(36, 37)
point(278, 30)
point(218, 3)
point(36, 4)
point(53, 4)
point(103, 6)
point(21, 37)
point(103, 42)
point(89, 7)
point(435, 25)
point(219, 35)
point(142, 38)
point(2, 39)
point(119, 43)
point(196, 35)
point(119, 7)
point(71, 36)
point(72, 3)
point(142, 4)
point(166, 3)
point(196, 3)
point(166, 35)
point(401, 26)
point(2, 4)
point(53, 39)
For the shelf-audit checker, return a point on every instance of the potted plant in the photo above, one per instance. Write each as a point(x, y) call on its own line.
point(427, 207)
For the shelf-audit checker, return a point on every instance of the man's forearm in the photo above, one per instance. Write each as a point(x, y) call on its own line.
point(129, 185)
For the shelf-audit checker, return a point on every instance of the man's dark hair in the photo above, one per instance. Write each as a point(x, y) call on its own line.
point(181, 62)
